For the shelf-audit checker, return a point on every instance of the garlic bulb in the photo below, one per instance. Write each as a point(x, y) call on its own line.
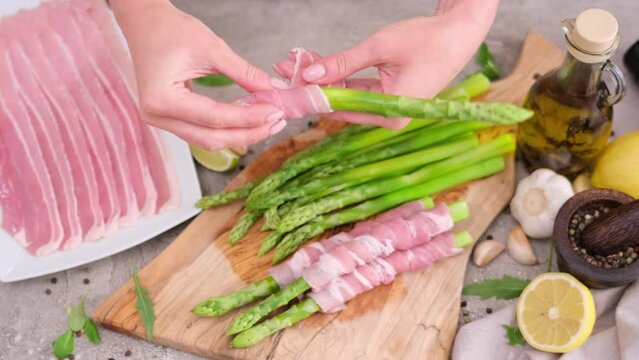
point(537, 201)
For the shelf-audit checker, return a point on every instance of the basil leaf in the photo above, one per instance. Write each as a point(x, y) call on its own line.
point(77, 317)
point(91, 332)
point(63, 345)
point(514, 336)
point(486, 61)
point(144, 306)
point(507, 287)
point(214, 80)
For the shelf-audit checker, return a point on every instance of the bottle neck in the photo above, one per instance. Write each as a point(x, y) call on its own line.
point(579, 78)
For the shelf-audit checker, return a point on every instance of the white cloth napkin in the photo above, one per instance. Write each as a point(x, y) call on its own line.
point(615, 336)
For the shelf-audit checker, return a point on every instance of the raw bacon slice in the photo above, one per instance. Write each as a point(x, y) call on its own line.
point(292, 269)
point(118, 139)
point(333, 297)
point(159, 175)
point(401, 211)
point(102, 156)
point(69, 120)
point(293, 68)
point(11, 197)
point(295, 102)
point(384, 239)
point(48, 134)
point(32, 180)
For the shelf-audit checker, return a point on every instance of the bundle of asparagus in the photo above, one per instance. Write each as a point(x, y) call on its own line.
point(365, 277)
point(361, 171)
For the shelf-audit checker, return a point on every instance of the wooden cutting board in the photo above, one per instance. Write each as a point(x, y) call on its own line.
point(415, 317)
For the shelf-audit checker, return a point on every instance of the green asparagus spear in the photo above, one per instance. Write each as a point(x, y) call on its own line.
point(366, 209)
point(498, 146)
point(470, 87)
point(301, 311)
point(344, 99)
point(420, 139)
point(376, 170)
point(329, 141)
point(220, 305)
point(272, 217)
point(354, 143)
point(249, 318)
point(295, 313)
point(222, 198)
point(269, 242)
point(243, 225)
point(458, 212)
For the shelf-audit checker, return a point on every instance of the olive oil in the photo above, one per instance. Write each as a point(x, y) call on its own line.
point(573, 106)
point(571, 124)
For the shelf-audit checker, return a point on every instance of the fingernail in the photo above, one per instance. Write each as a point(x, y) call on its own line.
point(279, 84)
point(314, 72)
point(278, 127)
point(278, 115)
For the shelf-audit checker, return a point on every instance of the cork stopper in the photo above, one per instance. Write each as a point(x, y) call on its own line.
point(593, 36)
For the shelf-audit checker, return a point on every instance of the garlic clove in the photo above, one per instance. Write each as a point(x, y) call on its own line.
point(486, 251)
point(581, 183)
point(519, 247)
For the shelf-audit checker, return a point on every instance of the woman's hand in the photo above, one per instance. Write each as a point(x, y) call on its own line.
point(415, 57)
point(170, 48)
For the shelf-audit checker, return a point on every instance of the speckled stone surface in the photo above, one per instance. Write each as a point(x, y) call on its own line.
point(262, 31)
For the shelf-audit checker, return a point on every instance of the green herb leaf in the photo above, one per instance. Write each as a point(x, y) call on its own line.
point(514, 336)
point(507, 287)
point(487, 62)
point(77, 317)
point(144, 306)
point(214, 80)
point(91, 332)
point(63, 345)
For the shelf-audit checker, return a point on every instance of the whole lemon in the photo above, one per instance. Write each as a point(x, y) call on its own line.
point(618, 165)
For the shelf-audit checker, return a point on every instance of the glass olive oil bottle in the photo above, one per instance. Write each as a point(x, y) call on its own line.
point(573, 104)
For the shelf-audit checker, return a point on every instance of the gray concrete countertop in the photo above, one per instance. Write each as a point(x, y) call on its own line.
point(33, 312)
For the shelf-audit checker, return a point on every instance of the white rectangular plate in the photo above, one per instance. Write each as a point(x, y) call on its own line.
point(17, 264)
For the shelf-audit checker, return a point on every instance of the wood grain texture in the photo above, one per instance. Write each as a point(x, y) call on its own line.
point(415, 317)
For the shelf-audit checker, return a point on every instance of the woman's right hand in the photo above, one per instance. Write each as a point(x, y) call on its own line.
point(415, 57)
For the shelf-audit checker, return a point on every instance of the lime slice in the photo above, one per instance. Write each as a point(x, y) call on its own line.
point(217, 160)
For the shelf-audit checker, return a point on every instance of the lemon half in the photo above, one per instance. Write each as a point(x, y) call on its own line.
point(556, 313)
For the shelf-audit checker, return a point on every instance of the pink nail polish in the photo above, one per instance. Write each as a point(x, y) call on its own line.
point(279, 84)
point(278, 127)
point(276, 116)
point(314, 72)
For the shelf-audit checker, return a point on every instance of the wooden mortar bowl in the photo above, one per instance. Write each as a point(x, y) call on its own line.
point(572, 263)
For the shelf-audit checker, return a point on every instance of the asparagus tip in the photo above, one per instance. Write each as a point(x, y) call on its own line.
point(210, 308)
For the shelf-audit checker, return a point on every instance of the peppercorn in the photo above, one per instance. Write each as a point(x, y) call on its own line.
point(489, 310)
point(86, 281)
point(47, 291)
point(54, 280)
point(127, 353)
